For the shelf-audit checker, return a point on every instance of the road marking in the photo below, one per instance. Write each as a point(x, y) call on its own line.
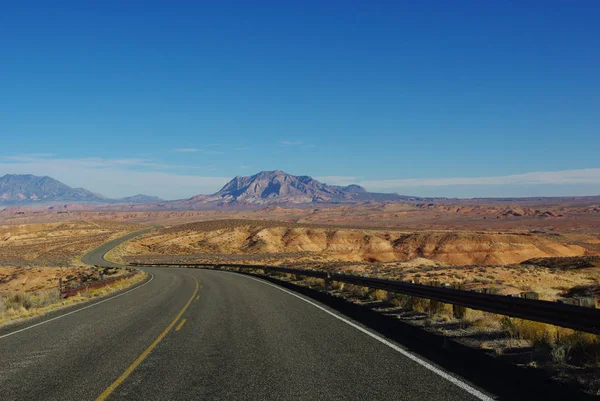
point(78, 310)
point(469, 389)
point(106, 393)
point(180, 325)
point(198, 297)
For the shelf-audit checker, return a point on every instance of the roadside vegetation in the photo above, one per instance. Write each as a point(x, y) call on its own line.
point(18, 305)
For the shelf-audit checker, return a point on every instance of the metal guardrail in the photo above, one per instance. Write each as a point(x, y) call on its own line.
point(563, 315)
point(67, 292)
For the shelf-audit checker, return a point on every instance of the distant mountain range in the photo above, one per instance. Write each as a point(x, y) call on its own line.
point(264, 188)
point(30, 188)
point(23, 189)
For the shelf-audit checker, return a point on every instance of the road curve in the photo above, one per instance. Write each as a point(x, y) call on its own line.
point(212, 335)
point(96, 256)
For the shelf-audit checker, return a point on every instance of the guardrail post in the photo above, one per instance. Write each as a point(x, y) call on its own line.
point(459, 311)
point(60, 287)
point(328, 281)
point(434, 305)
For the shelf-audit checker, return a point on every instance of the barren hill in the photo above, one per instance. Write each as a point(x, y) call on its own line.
point(339, 244)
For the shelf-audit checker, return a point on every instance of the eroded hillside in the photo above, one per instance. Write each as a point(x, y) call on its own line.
point(303, 242)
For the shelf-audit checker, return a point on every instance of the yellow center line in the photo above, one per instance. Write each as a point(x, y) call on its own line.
point(180, 325)
point(106, 393)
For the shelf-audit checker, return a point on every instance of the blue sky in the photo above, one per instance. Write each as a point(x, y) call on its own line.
point(437, 98)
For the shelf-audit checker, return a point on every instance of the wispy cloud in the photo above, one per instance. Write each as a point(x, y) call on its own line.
point(206, 149)
point(583, 176)
point(37, 154)
point(338, 179)
point(245, 167)
point(291, 143)
point(242, 148)
point(548, 183)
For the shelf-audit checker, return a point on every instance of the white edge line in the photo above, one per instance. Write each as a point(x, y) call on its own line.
point(77, 310)
point(469, 389)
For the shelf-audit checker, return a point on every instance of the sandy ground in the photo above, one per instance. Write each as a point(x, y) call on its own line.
point(468, 215)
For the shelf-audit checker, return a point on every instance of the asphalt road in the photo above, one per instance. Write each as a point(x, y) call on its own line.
point(96, 256)
point(211, 335)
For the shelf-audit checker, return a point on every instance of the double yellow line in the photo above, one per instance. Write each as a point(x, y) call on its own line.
point(106, 393)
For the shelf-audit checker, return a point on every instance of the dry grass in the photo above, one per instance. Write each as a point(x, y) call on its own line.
point(380, 295)
point(312, 282)
point(484, 321)
point(564, 345)
point(357, 290)
point(15, 306)
point(440, 310)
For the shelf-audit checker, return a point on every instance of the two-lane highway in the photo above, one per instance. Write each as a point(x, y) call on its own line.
point(211, 335)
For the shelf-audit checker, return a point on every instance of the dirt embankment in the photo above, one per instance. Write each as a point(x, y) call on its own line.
point(354, 245)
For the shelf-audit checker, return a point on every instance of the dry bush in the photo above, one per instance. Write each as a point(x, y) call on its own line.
point(419, 304)
point(483, 320)
point(314, 282)
point(578, 348)
point(410, 303)
point(357, 290)
point(380, 295)
point(539, 334)
point(440, 309)
point(336, 285)
point(400, 300)
point(563, 345)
